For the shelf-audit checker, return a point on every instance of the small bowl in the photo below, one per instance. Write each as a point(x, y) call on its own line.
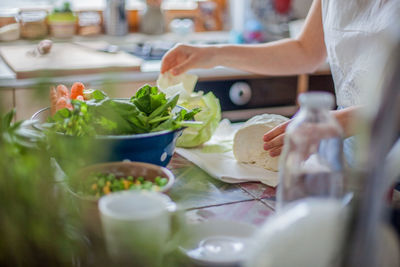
point(89, 204)
point(124, 169)
point(156, 147)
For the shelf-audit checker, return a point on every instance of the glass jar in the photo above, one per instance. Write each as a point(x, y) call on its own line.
point(89, 23)
point(9, 27)
point(33, 24)
point(312, 158)
point(8, 16)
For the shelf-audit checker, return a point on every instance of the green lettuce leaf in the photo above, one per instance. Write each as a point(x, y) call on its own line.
point(148, 99)
point(210, 115)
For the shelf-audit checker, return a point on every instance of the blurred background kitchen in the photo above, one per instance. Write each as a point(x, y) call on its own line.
point(117, 45)
point(120, 43)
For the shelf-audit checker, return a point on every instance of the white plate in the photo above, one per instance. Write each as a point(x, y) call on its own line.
point(217, 243)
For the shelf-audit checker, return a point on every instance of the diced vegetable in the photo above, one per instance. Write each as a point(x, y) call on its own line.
point(99, 184)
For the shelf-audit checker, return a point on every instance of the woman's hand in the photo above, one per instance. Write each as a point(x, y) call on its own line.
point(274, 139)
point(346, 118)
point(182, 58)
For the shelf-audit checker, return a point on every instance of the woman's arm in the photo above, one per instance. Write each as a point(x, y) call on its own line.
point(284, 57)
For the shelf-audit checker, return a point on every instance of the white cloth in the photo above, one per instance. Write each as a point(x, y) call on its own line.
point(224, 167)
point(355, 33)
point(217, 159)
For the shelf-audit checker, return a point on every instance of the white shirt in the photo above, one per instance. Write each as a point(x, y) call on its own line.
point(354, 32)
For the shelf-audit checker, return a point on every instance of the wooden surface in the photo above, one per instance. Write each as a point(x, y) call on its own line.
point(66, 59)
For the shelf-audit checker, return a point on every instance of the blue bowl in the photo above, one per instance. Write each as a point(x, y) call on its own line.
point(156, 147)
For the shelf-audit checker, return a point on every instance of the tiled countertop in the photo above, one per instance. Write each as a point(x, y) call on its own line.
point(204, 197)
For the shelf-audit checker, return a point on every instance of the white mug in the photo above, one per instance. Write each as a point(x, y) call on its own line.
point(136, 226)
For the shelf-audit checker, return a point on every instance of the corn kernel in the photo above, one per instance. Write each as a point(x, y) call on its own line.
point(126, 184)
point(106, 190)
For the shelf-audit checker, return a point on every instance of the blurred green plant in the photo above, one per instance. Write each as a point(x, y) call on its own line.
point(37, 226)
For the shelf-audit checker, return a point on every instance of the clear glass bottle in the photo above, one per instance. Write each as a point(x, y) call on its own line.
point(312, 158)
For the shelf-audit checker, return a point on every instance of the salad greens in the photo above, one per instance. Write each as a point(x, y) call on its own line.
point(210, 116)
point(149, 110)
point(210, 113)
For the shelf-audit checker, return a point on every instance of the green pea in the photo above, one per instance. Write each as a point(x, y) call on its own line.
point(121, 185)
point(163, 181)
point(147, 185)
point(135, 187)
point(115, 185)
point(101, 182)
point(157, 180)
point(141, 179)
point(130, 178)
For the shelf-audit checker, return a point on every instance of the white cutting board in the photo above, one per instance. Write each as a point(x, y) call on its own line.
point(66, 59)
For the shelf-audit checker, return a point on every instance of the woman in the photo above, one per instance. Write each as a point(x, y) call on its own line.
point(346, 32)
